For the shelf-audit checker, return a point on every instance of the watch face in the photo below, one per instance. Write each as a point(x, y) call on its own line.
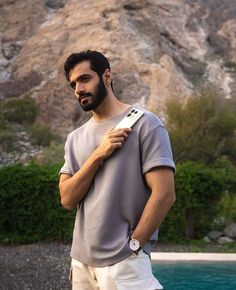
point(134, 245)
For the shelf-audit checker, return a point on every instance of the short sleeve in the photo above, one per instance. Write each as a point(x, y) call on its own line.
point(156, 150)
point(67, 166)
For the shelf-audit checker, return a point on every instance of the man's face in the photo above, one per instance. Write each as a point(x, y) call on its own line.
point(89, 88)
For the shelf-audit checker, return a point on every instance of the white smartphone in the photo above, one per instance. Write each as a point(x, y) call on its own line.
point(130, 119)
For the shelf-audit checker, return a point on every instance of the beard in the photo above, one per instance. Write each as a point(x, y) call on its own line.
point(96, 98)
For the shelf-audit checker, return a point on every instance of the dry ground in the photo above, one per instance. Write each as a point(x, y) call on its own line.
point(45, 266)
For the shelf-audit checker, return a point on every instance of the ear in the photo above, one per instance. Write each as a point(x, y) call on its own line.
point(107, 77)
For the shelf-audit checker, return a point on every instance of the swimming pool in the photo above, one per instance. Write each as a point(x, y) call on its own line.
point(196, 276)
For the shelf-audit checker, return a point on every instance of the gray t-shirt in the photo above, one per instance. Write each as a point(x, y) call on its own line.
point(117, 196)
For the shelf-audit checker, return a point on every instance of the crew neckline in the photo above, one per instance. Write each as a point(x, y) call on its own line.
point(110, 119)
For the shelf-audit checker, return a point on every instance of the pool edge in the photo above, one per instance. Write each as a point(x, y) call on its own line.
point(198, 257)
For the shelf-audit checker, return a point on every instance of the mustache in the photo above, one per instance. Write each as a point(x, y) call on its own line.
point(84, 95)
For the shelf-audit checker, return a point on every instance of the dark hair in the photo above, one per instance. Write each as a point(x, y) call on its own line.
point(98, 62)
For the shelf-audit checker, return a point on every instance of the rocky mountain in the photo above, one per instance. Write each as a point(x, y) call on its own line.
point(158, 49)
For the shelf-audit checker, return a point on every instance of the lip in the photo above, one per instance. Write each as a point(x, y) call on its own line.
point(84, 100)
point(83, 97)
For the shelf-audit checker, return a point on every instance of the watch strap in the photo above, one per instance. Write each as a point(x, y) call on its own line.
point(137, 251)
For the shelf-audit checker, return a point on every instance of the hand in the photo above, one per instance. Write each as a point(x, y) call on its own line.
point(112, 140)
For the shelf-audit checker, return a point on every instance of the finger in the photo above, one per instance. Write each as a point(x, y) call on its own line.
point(122, 130)
point(123, 136)
point(127, 129)
point(119, 133)
point(117, 145)
point(112, 129)
point(118, 139)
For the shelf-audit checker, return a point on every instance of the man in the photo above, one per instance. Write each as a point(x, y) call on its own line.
point(120, 180)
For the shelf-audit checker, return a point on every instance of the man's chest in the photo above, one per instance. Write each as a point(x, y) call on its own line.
point(86, 142)
point(89, 140)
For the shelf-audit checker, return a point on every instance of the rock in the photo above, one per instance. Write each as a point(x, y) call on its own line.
point(55, 4)
point(152, 45)
point(23, 157)
point(206, 239)
point(164, 80)
point(230, 231)
point(23, 153)
point(9, 49)
point(224, 240)
point(228, 31)
point(214, 235)
point(16, 87)
point(135, 5)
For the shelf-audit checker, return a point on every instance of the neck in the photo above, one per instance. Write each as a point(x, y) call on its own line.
point(109, 108)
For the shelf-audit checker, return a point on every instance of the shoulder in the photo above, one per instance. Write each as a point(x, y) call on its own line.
point(148, 122)
point(75, 134)
point(152, 119)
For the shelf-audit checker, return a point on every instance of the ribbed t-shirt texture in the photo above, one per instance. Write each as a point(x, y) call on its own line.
point(114, 203)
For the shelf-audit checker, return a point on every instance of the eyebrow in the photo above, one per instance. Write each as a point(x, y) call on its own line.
point(79, 78)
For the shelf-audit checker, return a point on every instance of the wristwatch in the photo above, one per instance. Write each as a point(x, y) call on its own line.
point(134, 246)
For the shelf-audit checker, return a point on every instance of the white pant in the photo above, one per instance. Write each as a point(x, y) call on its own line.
point(133, 273)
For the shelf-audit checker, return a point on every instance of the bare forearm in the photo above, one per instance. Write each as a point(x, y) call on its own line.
point(74, 189)
point(154, 213)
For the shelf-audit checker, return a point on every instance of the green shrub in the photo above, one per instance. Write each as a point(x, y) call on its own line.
point(226, 213)
point(22, 111)
point(8, 140)
point(226, 206)
point(227, 170)
point(40, 134)
point(51, 154)
point(30, 205)
point(203, 129)
point(198, 190)
point(14, 115)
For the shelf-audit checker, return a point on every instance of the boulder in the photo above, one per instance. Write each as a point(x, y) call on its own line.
point(230, 231)
point(224, 240)
point(54, 4)
point(206, 239)
point(214, 235)
point(158, 50)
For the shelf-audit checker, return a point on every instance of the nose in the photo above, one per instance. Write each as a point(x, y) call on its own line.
point(78, 89)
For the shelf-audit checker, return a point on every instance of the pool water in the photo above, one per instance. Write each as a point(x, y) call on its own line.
point(197, 276)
